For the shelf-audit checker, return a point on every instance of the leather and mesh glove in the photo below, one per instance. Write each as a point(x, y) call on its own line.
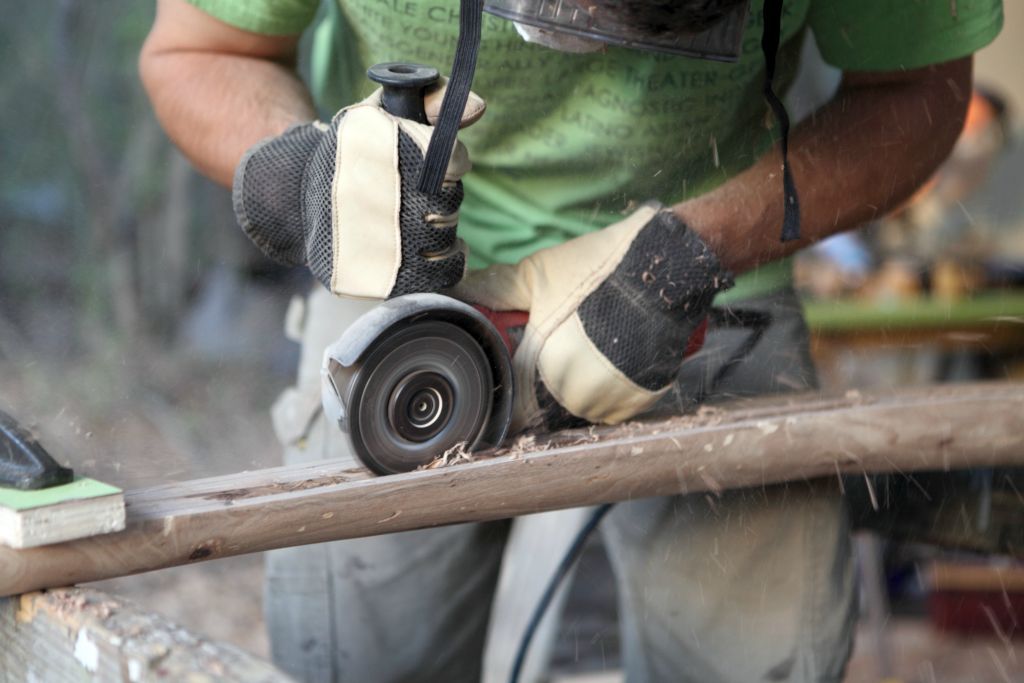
point(341, 199)
point(611, 316)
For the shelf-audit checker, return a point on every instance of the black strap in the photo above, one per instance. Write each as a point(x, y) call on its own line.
point(435, 162)
point(770, 46)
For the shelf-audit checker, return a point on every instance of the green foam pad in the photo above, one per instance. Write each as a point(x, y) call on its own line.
point(79, 489)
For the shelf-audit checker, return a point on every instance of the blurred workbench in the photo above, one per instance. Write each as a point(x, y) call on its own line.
point(989, 322)
point(993, 317)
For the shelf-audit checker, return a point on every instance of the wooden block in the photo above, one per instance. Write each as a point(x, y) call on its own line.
point(83, 508)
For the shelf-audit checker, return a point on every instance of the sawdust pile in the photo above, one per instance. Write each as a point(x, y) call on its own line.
point(532, 442)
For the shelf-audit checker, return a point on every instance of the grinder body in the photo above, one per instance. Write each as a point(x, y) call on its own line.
point(419, 375)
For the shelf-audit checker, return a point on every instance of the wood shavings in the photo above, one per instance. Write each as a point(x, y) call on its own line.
point(456, 455)
point(525, 442)
point(710, 413)
point(590, 436)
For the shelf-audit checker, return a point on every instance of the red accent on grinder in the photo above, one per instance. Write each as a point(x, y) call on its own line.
point(696, 339)
point(503, 321)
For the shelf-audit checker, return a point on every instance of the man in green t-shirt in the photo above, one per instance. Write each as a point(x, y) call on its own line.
point(571, 143)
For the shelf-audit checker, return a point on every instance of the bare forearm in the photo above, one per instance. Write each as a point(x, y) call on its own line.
point(853, 160)
point(216, 103)
point(212, 124)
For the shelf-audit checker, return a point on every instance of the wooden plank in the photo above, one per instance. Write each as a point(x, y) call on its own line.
point(749, 443)
point(82, 634)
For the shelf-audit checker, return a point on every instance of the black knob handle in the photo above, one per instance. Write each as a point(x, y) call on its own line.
point(403, 87)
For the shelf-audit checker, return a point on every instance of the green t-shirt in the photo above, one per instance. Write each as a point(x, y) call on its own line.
point(571, 141)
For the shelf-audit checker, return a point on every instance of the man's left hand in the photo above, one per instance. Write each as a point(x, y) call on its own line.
point(612, 314)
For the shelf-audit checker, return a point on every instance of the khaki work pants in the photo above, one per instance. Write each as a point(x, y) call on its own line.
point(752, 585)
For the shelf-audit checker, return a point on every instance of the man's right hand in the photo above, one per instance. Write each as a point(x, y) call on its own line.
point(341, 199)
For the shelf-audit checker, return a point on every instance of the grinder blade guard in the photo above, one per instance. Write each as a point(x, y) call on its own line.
point(416, 376)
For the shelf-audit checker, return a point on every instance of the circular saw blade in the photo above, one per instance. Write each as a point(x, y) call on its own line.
point(425, 388)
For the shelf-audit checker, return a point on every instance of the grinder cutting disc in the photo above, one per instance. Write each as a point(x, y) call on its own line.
point(424, 388)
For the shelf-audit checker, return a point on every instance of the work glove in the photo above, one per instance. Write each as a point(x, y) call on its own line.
point(341, 199)
point(611, 316)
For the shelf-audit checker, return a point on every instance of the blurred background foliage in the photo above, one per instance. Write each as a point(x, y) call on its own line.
point(140, 334)
point(106, 230)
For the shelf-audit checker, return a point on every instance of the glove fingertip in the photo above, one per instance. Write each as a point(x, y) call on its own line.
point(553, 415)
point(266, 192)
point(238, 194)
point(453, 269)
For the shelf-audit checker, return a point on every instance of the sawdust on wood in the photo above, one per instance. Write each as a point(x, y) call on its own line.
point(456, 455)
point(232, 495)
point(530, 443)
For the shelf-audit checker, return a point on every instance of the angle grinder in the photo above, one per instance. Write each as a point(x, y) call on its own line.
point(421, 374)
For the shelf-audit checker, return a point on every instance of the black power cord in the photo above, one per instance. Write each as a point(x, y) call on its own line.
point(568, 560)
point(758, 323)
